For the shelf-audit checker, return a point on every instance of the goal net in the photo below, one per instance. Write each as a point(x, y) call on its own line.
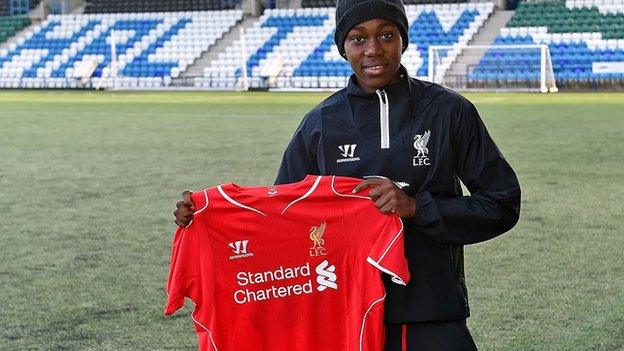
point(492, 67)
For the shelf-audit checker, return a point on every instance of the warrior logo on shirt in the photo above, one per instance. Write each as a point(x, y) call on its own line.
point(240, 249)
point(316, 235)
point(420, 144)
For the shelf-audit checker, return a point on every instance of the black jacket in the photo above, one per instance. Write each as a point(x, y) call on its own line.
point(433, 138)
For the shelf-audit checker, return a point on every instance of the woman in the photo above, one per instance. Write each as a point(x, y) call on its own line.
point(412, 142)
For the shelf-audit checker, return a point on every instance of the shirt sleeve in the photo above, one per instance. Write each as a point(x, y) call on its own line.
point(385, 232)
point(184, 271)
point(494, 204)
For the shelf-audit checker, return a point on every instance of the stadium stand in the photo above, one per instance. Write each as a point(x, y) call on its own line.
point(332, 3)
point(318, 3)
point(585, 39)
point(5, 7)
point(424, 2)
point(124, 6)
point(152, 48)
point(11, 25)
point(303, 40)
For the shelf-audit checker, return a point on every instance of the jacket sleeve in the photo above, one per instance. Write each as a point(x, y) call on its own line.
point(493, 206)
point(303, 151)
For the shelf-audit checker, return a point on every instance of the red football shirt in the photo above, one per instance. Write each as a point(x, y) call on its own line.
point(292, 267)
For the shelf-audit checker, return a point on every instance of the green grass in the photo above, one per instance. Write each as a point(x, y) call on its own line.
point(89, 181)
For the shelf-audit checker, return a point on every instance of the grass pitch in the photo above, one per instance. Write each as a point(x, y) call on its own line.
point(89, 181)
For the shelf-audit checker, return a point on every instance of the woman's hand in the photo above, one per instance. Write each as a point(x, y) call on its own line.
point(184, 212)
point(388, 197)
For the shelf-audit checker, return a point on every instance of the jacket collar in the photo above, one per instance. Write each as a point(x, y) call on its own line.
point(404, 84)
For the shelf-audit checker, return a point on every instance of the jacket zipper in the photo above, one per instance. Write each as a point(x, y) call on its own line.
point(384, 125)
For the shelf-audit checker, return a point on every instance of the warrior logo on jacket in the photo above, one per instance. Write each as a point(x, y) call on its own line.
point(347, 152)
point(420, 144)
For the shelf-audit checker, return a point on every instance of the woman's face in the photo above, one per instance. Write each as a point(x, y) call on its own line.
point(374, 51)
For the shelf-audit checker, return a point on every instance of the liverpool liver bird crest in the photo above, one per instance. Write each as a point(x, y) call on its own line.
point(420, 143)
point(316, 235)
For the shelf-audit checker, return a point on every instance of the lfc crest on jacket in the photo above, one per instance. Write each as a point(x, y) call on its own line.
point(422, 152)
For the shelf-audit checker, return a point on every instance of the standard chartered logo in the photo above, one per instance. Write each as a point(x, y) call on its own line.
point(285, 282)
point(326, 277)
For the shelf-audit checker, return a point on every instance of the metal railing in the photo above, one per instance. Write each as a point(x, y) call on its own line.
point(19, 7)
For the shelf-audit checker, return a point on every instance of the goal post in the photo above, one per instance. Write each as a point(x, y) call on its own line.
point(526, 67)
point(242, 84)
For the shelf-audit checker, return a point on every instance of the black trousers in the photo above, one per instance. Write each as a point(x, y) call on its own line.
point(430, 336)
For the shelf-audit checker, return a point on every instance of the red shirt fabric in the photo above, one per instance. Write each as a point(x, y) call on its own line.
point(292, 267)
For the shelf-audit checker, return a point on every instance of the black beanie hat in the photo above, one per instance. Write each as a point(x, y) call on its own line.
point(350, 13)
